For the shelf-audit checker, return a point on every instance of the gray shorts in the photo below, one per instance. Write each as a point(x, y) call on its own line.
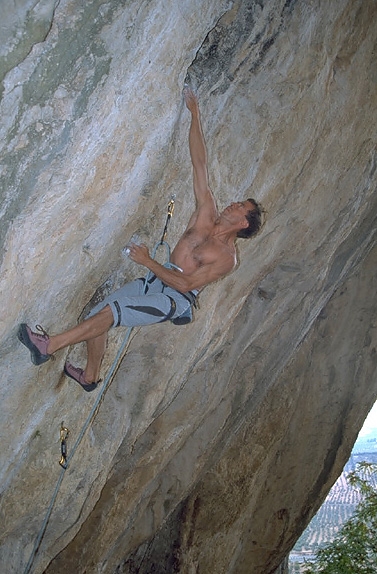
point(147, 301)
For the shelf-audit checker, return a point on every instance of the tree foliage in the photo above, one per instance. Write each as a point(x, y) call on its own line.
point(354, 549)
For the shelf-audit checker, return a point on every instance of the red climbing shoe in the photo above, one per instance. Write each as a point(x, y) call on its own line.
point(37, 343)
point(77, 375)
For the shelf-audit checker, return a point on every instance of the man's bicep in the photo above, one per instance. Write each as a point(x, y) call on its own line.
point(202, 191)
point(210, 273)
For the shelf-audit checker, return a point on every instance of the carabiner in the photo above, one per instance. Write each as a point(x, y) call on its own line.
point(171, 206)
point(64, 432)
point(168, 218)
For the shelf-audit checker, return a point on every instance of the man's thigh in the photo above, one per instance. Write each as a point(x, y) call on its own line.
point(145, 309)
point(132, 289)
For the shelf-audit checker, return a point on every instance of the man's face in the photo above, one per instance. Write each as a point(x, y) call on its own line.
point(237, 211)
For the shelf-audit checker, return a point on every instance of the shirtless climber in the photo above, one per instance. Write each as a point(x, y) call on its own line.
point(205, 252)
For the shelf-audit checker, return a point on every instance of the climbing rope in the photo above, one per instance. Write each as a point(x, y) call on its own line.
point(65, 458)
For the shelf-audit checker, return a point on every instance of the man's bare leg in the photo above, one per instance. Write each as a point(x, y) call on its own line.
point(95, 351)
point(89, 329)
point(94, 332)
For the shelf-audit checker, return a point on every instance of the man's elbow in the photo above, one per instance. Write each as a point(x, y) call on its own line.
point(185, 284)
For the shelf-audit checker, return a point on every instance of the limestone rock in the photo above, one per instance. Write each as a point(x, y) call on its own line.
point(216, 442)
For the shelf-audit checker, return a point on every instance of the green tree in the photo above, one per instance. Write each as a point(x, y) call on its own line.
point(354, 549)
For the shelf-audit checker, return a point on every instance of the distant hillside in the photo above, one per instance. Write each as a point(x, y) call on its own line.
point(338, 506)
point(366, 444)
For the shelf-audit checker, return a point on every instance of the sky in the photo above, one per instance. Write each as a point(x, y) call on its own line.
point(370, 422)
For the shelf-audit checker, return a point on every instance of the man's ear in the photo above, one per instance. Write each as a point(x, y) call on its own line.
point(245, 223)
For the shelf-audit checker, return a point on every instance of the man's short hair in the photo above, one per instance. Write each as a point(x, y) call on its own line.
point(254, 217)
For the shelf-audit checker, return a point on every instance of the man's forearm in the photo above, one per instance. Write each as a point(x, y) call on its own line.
point(173, 278)
point(197, 146)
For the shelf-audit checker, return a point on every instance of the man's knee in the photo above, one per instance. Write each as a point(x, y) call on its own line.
point(106, 315)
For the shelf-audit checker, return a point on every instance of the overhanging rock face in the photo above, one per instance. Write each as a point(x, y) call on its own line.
point(215, 442)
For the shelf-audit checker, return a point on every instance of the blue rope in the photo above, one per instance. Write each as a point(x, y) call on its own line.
point(90, 417)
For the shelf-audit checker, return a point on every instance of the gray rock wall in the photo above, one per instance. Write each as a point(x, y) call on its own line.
point(216, 442)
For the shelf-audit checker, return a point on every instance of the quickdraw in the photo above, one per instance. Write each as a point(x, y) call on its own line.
point(168, 218)
point(64, 432)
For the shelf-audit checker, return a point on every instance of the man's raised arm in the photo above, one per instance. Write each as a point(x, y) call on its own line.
point(198, 151)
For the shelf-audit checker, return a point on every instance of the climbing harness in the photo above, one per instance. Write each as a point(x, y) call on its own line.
point(64, 432)
point(65, 458)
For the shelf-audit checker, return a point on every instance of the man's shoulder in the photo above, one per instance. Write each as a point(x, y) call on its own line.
point(205, 217)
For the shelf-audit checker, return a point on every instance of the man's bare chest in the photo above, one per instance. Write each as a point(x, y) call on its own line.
point(202, 248)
